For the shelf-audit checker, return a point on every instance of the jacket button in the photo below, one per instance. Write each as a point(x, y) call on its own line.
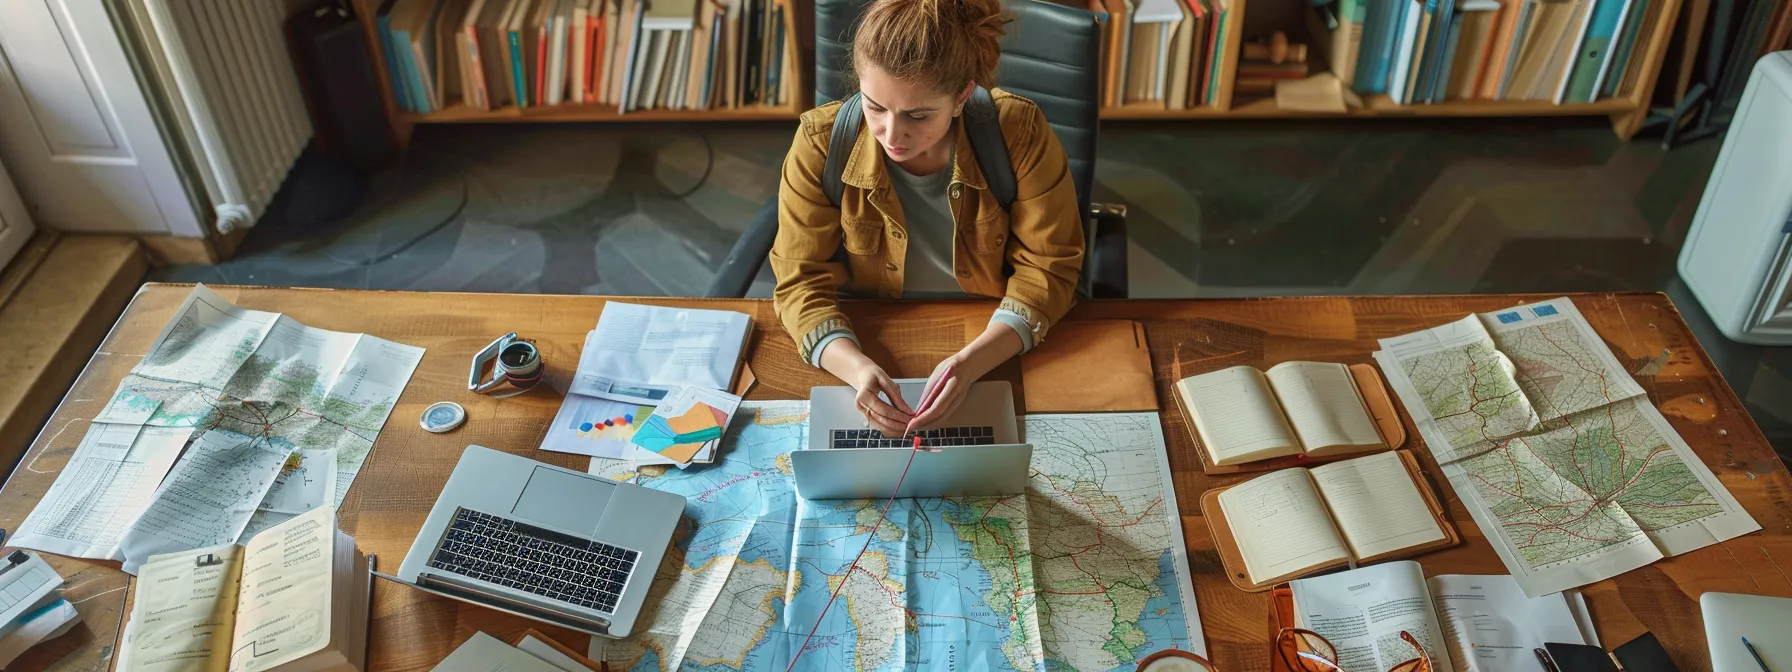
point(1001, 237)
point(890, 266)
point(955, 191)
point(896, 234)
point(964, 274)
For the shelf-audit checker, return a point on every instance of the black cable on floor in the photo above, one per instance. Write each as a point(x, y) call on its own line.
point(397, 188)
point(709, 163)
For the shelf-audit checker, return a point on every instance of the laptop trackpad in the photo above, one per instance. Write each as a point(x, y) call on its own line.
point(567, 501)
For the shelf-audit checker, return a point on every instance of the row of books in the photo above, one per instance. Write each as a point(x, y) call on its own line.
point(1429, 51)
point(1164, 52)
point(630, 54)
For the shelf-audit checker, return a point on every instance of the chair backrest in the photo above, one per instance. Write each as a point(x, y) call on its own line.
point(1051, 55)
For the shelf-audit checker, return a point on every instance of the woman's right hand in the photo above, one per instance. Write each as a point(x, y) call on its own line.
point(878, 399)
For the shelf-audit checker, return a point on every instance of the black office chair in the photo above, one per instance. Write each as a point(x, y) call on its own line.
point(1051, 55)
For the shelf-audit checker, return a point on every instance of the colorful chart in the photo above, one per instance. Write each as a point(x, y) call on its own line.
point(681, 437)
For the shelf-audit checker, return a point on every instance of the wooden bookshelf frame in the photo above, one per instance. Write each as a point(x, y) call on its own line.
point(1627, 111)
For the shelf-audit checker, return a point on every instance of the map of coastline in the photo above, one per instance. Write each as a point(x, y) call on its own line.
point(1081, 573)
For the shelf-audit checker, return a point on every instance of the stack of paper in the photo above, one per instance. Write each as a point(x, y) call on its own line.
point(32, 609)
point(642, 357)
point(687, 428)
point(483, 653)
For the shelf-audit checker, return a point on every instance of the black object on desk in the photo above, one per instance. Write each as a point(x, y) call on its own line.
point(1643, 654)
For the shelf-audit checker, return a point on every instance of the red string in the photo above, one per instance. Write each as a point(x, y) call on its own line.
point(855, 559)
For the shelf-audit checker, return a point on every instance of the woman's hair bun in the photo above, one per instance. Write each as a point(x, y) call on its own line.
point(942, 43)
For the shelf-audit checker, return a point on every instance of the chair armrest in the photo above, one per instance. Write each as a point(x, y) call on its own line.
point(1104, 271)
point(734, 276)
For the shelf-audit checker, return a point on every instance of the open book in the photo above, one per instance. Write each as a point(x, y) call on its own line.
point(1295, 522)
point(1466, 623)
point(294, 599)
point(1316, 409)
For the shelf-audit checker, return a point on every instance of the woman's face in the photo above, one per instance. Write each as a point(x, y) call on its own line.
point(909, 120)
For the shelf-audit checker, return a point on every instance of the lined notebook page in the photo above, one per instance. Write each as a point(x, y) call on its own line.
point(1237, 416)
point(1377, 504)
point(1323, 404)
point(1281, 524)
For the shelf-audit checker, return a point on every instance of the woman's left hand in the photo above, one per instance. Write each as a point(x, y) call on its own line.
point(953, 377)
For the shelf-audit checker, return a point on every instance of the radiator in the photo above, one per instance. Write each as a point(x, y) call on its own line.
point(232, 91)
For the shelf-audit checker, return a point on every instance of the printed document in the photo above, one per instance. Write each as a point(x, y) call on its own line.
point(105, 484)
point(186, 605)
point(1490, 626)
point(639, 354)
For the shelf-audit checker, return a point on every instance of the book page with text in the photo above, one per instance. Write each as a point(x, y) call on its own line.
point(1376, 504)
point(1323, 405)
point(1281, 524)
point(284, 611)
point(1237, 416)
point(185, 610)
point(1363, 611)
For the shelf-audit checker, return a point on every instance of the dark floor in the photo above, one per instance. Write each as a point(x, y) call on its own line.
point(1216, 209)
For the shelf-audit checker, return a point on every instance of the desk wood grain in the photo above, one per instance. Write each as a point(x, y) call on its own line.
point(392, 496)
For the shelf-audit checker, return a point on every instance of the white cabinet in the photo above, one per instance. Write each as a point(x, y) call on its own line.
point(1738, 256)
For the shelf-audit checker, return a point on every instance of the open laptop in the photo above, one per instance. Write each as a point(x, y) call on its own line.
point(975, 451)
point(543, 542)
point(1765, 621)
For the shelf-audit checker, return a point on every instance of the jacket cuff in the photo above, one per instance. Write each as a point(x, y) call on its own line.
point(1018, 324)
point(1035, 320)
point(821, 347)
point(810, 345)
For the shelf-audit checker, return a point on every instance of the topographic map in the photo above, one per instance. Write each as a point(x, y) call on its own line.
point(1591, 482)
point(1085, 572)
point(246, 389)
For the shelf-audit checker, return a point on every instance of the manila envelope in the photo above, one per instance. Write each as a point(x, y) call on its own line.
point(1095, 365)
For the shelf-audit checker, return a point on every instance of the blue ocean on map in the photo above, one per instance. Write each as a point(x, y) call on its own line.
point(1064, 578)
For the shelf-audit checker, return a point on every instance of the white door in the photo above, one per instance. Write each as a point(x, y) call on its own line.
point(75, 127)
point(15, 222)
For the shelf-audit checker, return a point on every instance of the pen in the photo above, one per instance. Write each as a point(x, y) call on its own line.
point(1543, 657)
point(1756, 654)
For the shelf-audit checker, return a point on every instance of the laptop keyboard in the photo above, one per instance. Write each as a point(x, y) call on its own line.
point(930, 438)
point(542, 562)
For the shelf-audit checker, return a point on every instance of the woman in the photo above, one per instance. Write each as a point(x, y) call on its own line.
point(916, 219)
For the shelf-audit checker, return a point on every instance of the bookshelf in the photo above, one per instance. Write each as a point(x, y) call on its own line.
point(403, 122)
point(1626, 111)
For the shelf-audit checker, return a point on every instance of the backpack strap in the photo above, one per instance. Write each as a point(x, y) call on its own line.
point(981, 124)
point(840, 143)
point(984, 128)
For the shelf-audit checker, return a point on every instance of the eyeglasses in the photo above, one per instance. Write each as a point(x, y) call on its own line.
point(1308, 651)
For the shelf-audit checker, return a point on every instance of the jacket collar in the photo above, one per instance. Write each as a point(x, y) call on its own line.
point(865, 166)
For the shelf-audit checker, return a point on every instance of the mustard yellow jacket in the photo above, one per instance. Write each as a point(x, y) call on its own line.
point(1030, 255)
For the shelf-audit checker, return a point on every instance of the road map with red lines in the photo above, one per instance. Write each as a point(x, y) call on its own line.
point(1087, 571)
point(1594, 484)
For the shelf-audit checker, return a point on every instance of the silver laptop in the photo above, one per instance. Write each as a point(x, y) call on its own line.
point(975, 451)
point(1765, 621)
point(543, 542)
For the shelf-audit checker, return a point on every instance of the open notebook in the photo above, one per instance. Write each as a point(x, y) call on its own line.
point(294, 599)
point(1295, 522)
point(1303, 409)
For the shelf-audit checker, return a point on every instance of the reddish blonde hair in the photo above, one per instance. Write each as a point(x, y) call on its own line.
point(942, 44)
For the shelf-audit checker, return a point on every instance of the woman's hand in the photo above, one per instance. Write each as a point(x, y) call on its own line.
point(951, 381)
point(878, 399)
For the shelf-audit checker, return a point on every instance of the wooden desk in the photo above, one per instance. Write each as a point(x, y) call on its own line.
point(412, 631)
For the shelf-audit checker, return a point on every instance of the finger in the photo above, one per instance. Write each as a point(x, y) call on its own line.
point(872, 405)
point(948, 399)
point(890, 430)
point(894, 392)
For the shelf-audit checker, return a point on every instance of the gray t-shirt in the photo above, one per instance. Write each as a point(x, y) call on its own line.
point(929, 213)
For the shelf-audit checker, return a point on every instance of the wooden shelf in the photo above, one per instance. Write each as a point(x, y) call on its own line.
point(461, 113)
point(1379, 106)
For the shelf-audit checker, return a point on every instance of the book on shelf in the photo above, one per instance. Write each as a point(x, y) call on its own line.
point(1473, 45)
point(1302, 410)
point(1465, 622)
point(1295, 522)
point(211, 606)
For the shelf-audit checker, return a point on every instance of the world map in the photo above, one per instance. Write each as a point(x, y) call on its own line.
point(1084, 572)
